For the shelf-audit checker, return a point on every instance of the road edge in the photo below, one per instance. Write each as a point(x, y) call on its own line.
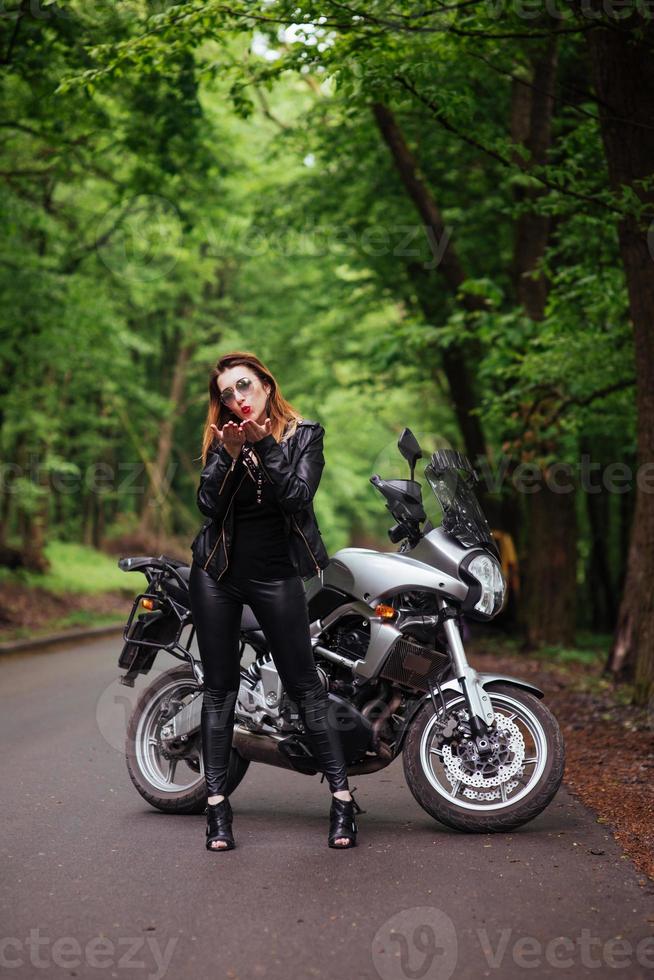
point(51, 639)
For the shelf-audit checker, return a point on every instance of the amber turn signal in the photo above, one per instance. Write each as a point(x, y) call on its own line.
point(385, 612)
point(147, 603)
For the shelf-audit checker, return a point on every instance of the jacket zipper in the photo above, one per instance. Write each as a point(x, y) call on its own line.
point(227, 474)
point(307, 544)
point(223, 524)
point(222, 533)
point(214, 547)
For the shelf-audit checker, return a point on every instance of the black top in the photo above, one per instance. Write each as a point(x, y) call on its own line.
point(260, 547)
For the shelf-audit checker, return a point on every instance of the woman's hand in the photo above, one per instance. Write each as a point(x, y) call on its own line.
point(231, 436)
point(253, 431)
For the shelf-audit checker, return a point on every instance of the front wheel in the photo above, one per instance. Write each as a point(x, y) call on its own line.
point(508, 783)
point(170, 776)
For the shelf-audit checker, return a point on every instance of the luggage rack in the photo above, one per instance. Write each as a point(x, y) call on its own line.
point(160, 623)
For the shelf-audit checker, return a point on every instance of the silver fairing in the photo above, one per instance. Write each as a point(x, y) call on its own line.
point(373, 575)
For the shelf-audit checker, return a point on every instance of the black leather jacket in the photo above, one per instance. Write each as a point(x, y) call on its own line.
point(294, 467)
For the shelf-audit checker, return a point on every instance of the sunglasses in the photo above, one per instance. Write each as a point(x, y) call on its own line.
point(228, 395)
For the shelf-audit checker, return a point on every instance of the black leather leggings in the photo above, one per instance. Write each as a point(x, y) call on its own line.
point(281, 610)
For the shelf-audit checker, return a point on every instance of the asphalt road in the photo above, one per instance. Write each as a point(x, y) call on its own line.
point(96, 883)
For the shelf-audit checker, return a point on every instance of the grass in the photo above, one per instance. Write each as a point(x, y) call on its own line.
point(590, 649)
point(77, 568)
point(82, 618)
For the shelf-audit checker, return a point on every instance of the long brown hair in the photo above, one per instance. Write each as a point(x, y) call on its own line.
point(283, 416)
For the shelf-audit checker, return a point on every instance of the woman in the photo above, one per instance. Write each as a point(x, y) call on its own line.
point(262, 466)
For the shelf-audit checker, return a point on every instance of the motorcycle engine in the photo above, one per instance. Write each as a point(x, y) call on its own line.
point(349, 637)
point(263, 704)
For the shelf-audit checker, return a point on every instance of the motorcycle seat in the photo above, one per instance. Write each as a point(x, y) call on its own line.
point(249, 622)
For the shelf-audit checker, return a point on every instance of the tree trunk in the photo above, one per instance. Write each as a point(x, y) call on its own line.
point(31, 519)
point(5, 507)
point(460, 380)
point(531, 126)
point(453, 362)
point(554, 615)
point(601, 590)
point(154, 511)
point(547, 611)
point(624, 80)
point(626, 510)
point(34, 529)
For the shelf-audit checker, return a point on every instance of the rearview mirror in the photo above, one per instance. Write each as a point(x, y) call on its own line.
point(410, 448)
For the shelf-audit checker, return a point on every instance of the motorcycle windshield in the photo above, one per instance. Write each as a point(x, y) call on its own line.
point(452, 477)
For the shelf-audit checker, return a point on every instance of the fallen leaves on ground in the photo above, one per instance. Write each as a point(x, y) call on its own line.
point(609, 745)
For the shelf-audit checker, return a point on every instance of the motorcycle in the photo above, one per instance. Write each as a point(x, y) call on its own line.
point(481, 752)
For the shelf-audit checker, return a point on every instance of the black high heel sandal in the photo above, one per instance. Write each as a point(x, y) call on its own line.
point(219, 825)
point(342, 822)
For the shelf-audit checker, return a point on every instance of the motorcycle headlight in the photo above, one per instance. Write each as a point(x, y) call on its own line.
point(489, 575)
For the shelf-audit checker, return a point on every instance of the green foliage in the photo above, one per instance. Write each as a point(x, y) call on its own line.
point(198, 177)
point(78, 568)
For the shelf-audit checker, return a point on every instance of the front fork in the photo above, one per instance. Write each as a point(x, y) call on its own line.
point(478, 702)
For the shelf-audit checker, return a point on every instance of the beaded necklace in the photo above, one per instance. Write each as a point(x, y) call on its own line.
point(253, 467)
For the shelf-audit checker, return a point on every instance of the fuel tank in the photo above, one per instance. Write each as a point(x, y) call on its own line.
point(373, 575)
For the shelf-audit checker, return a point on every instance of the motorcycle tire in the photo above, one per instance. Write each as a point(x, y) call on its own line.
point(505, 816)
point(185, 801)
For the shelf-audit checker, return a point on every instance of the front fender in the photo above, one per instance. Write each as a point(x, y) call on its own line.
point(487, 681)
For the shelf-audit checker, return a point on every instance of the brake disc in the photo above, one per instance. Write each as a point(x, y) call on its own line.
point(456, 772)
point(493, 794)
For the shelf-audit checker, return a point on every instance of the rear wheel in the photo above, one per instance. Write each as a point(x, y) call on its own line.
point(495, 790)
point(170, 776)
